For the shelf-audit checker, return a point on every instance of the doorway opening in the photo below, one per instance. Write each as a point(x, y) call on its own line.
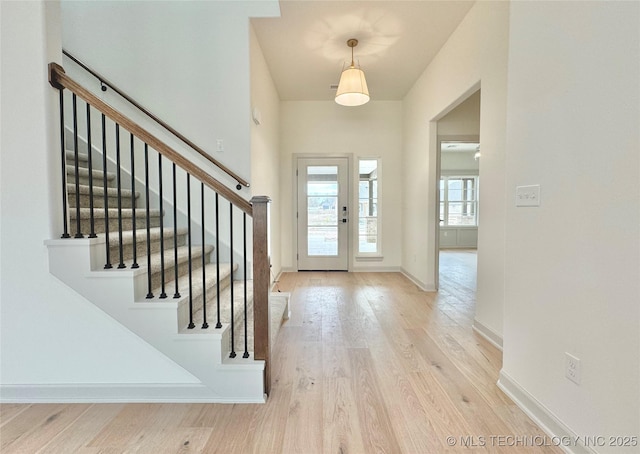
point(457, 195)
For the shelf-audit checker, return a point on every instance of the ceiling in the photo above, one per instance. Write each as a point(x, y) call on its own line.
point(306, 47)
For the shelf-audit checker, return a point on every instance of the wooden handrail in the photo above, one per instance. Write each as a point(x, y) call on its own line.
point(169, 128)
point(59, 79)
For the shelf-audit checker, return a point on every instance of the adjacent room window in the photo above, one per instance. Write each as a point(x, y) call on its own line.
point(368, 207)
point(459, 201)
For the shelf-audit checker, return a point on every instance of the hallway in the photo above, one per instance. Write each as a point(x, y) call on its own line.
point(406, 362)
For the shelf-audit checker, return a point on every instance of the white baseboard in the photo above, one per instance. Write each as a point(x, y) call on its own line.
point(113, 393)
point(375, 269)
point(494, 338)
point(424, 287)
point(559, 434)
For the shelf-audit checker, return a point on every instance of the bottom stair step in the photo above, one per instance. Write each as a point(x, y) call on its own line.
point(278, 310)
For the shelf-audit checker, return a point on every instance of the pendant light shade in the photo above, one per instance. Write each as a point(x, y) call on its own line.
point(352, 89)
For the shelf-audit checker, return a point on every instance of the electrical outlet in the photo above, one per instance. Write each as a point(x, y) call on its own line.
point(572, 368)
point(220, 145)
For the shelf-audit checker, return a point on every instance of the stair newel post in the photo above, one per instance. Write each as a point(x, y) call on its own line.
point(205, 325)
point(119, 189)
point(175, 233)
point(76, 166)
point(233, 343)
point(218, 323)
point(107, 265)
point(261, 277)
point(63, 151)
point(133, 203)
point(92, 232)
point(191, 324)
point(244, 255)
point(163, 293)
point(147, 216)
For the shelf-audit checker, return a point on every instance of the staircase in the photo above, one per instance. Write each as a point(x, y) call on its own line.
point(154, 269)
point(103, 290)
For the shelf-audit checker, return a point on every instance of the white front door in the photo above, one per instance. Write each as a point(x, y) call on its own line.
point(323, 214)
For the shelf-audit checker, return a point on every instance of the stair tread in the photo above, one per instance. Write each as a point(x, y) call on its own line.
point(169, 257)
point(98, 213)
point(141, 234)
point(225, 307)
point(84, 189)
point(70, 154)
point(196, 281)
point(225, 299)
point(84, 172)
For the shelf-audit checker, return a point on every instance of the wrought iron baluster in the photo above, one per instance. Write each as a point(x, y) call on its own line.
point(92, 222)
point(147, 203)
point(63, 151)
point(233, 347)
point(119, 189)
point(76, 166)
point(205, 325)
point(244, 251)
point(133, 204)
point(175, 233)
point(107, 265)
point(191, 324)
point(163, 293)
point(218, 323)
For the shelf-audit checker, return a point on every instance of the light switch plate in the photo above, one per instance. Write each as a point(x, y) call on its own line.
point(528, 196)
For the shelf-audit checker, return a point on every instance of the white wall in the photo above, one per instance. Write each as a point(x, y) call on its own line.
point(265, 145)
point(187, 62)
point(49, 334)
point(464, 119)
point(573, 264)
point(370, 131)
point(459, 163)
point(475, 56)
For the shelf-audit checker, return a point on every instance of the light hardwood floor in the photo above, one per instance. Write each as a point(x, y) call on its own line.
point(367, 363)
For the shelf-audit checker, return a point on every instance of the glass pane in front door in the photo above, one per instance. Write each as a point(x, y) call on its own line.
point(322, 210)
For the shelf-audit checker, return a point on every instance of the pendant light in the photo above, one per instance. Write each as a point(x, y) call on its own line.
point(352, 89)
